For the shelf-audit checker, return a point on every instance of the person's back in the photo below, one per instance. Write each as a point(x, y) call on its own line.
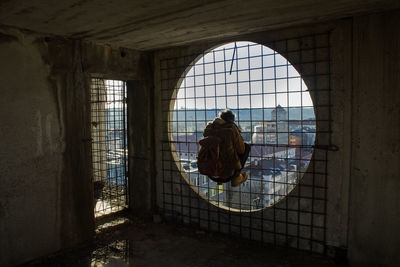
point(232, 146)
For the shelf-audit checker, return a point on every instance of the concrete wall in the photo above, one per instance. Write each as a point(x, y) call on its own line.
point(375, 174)
point(46, 196)
point(338, 161)
point(363, 209)
point(32, 146)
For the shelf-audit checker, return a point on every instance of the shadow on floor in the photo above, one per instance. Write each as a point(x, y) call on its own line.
point(136, 242)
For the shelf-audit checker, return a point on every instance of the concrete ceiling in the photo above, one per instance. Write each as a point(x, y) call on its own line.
point(148, 25)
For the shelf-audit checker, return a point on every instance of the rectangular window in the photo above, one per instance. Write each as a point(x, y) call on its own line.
point(221, 188)
point(109, 145)
point(213, 192)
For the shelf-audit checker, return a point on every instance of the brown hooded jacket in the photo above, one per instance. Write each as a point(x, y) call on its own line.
point(232, 142)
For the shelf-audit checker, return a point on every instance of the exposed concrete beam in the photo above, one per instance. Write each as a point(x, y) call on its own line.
point(148, 25)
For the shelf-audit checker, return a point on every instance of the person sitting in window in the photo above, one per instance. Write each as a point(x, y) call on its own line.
point(233, 150)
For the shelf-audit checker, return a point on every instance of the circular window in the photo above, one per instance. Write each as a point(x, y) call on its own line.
point(274, 111)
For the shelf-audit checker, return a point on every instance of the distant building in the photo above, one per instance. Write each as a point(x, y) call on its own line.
point(280, 116)
point(265, 133)
point(297, 140)
point(302, 140)
point(210, 189)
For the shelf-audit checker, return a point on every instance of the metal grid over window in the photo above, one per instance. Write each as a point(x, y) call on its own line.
point(280, 92)
point(109, 145)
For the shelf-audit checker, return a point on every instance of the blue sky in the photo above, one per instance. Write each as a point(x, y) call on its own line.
point(254, 81)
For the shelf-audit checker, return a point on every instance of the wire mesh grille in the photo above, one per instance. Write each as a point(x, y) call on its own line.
point(109, 145)
point(280, 94)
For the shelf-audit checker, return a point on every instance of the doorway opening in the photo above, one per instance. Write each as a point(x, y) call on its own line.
point(109, 146)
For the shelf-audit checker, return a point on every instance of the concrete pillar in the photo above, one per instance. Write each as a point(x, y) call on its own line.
point(141, 147)
point(98, 108)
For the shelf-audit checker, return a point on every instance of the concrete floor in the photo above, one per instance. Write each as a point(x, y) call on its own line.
point(135, 242)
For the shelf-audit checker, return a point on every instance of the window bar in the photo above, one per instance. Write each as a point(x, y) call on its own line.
point(125, 140)
point(114, 144)
point(314, 82)
point(263, 119)
point(287, 148)
point(238, 121)
point(251, 127)
point(187, 153)
point(277, 134)
point(217, 186)
point(300, 150)
point(205, 118)
point(228, 199)
point(110, 118)
point(196, 139)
